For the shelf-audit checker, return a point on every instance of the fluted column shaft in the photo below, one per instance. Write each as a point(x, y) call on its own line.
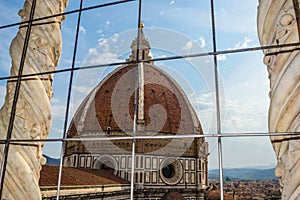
point(278, 25)
point(33, 112)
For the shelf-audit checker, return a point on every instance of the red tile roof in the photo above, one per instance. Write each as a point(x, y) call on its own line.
point(78, 176)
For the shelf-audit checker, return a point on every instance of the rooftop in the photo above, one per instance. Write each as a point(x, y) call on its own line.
point(78, 177)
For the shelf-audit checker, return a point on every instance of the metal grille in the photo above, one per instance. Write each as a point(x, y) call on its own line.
point(72, 68)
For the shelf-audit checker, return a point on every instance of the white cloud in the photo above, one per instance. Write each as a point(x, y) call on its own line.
point(205, 101)
point(221, 57)
point(243, 116)
point(82, 29)
point(58, 111)
point(248, 84)
point(102, 53)
point(237, 116)
point(107, 23)
point(115, 38)
point(224, 13)
point(103, 43)
point(99, 31)
point(151, 54)
point(96, 58)
point(172, 2)
point(204, 106)
point(244, 44)
point(75, 104)
point(69, 61)
point(85, 89)
point(188, 46)
point(155, 54)
point(162, 12)
point(54, 100)
point(202, 42)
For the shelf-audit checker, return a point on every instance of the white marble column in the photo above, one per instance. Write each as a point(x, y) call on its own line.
point(277, 25)
point(33, 111)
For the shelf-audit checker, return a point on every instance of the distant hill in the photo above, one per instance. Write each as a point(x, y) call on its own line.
point(244, 174)
point(52, 161)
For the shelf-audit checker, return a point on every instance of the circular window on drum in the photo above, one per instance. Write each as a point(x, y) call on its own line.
point(171, 171)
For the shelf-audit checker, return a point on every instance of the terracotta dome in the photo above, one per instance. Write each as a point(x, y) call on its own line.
point(162, 109)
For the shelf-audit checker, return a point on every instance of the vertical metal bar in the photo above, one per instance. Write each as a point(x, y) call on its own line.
point(135, 104)
point(68, 102)
point(217, 100)
point(132, 163)
point(297, 14)
point(16, 96)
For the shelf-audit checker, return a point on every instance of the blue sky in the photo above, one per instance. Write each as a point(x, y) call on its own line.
point(173, 27)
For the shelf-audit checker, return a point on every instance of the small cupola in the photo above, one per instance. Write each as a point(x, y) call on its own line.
point(140, 46)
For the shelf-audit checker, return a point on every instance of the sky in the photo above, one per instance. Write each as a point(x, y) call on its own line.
point(173, 27)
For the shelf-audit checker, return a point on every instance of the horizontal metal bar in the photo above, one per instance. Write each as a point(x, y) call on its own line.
point(169, 58)
point(224, 135)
